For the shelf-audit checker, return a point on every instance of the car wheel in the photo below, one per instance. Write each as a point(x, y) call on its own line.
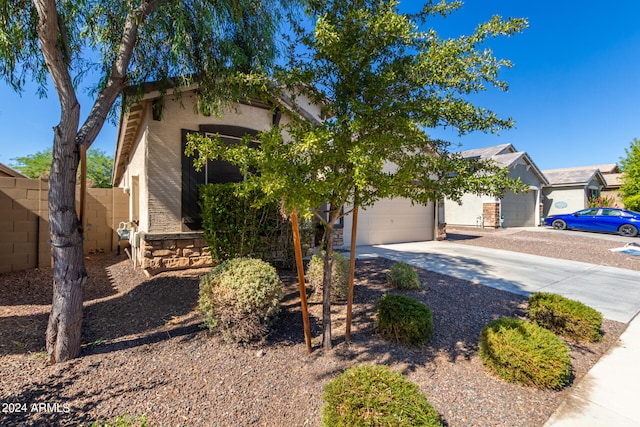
point(559, 224)
point(628, 230)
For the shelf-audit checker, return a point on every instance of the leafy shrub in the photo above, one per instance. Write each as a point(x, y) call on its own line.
point(123, 421)
point(520, 351)
point(240, 297)
point(601, 202)
point(375, 396)
point(404, 319)
point(244, 226)
point(339, 276)
point(403, 276)
point(632, 202)
point(569, 318)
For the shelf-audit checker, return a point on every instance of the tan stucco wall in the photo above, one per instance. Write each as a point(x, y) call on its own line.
point(518, 209)
point(468, 212)
point(574, 197)
point(164, 164)
point(137, 167)
point(157, 157)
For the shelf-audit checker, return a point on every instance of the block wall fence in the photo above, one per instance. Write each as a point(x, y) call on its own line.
point(24, 222)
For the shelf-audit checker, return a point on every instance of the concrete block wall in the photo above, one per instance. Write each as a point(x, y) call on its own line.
point(23, 213)
point(24, 222)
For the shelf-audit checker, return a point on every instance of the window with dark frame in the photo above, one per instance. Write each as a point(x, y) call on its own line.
point(214, 172)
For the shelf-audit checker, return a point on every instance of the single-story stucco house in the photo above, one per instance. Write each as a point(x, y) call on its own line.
point(570, 189)
point(162, 184)
point(513, 209)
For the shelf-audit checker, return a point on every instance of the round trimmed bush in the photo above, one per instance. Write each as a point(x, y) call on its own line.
point(339, 276)
point(523, 352)
point(404, 319)
point(240, 297)
point(569, 318)
point(403, 276)
point(375, 396)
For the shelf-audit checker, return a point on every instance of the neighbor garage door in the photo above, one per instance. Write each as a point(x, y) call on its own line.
point(519, 209)
point(392, 221)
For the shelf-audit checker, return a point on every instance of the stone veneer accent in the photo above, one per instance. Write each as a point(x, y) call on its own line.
point(338, 237)
point(173, 251)
point(491, 215)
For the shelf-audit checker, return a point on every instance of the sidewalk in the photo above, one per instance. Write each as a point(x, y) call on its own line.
point(609, 395)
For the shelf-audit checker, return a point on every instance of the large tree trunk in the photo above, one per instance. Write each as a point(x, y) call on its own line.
point(69, 274)
point(326, 286)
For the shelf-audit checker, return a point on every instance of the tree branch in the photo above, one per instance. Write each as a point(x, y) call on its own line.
point(53, 56)
point(118, 77)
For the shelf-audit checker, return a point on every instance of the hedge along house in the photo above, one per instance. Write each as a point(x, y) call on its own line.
point(513, 209)
point(162, 183)
point(570, 189)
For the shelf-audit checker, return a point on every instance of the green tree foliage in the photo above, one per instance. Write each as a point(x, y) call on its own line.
point(99, 166)
point(631, 176)
point(384, 78)
point(107, 45)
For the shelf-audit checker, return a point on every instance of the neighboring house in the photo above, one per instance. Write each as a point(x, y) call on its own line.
point(162, 184)
point(8, 172)
point(512, 210)
point(613, 178)
point(570, 189)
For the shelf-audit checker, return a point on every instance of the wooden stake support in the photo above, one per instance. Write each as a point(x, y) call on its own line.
point(303, 289)
point(352, 272)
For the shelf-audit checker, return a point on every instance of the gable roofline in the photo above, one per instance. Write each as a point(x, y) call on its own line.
point(10, 172)
point(511, 160)
point(132, 116)
point(574, 176)
point(488, 152)
point(507, 156)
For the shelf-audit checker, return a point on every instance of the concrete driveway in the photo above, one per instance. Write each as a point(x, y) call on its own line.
point(615, 292)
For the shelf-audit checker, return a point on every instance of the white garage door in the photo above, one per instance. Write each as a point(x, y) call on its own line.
point(392, 221)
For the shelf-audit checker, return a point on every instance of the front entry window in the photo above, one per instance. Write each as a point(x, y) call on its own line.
point(214, 172)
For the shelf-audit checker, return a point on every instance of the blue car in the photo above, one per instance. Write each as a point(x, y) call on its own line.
point(605, 220)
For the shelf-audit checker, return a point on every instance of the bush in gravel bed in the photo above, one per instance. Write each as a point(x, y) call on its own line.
point(123, 421)
point(566, 317)
point(339, 277)
point(403, 276)
point(404, 319)
point(240, 297)
point(375, 396)
point(520, 351)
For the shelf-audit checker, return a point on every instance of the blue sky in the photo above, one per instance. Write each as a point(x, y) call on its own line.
point(574, 88)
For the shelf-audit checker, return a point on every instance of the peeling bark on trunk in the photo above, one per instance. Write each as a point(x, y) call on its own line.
point(64, 329)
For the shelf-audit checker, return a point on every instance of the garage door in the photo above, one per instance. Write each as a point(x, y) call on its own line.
point(392, 221)
point(519, 209)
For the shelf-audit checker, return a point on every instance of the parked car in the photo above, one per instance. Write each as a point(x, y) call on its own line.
point(605, 220)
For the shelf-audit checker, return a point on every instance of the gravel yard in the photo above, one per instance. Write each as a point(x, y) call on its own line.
point(145, 351)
